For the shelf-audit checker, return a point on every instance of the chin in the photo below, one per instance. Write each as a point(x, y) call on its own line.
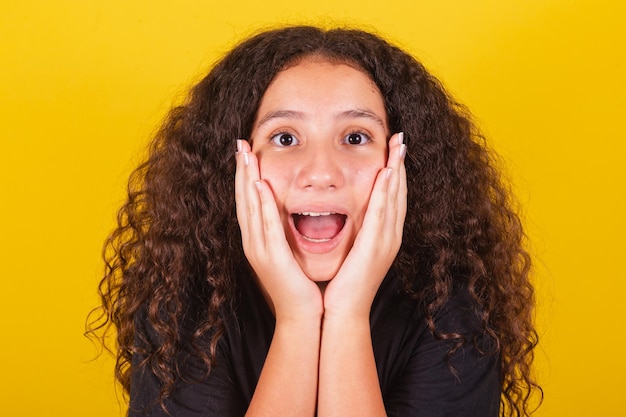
point(320, 271)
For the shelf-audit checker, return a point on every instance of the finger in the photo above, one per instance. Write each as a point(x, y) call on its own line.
point(397, 181)
point(394, 162)
point(396, 195)
point(384, 220)
point(396, 151)
point(253, 208)
point(401, 198)
point(248, 204)
point(240, 193)
point(273, 231)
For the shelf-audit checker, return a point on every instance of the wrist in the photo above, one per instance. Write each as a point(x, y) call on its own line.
point(346, 319)
point(299, 320)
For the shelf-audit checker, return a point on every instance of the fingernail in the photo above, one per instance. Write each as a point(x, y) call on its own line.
point(246, 159)
point(401, 138)
point(388, 173)
point(402, 151)
point(259, 185)
point(239, 146)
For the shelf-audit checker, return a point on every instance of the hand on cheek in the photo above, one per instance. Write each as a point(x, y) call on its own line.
point(290, 293)
point(377, 243)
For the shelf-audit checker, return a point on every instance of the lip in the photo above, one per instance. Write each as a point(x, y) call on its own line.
point(318, 246)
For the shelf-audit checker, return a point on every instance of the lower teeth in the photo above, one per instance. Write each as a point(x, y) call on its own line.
point(310, 239)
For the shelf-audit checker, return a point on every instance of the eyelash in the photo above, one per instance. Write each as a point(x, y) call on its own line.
point(275, 138)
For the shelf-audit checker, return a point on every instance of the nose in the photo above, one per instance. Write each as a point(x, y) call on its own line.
point(321, 169)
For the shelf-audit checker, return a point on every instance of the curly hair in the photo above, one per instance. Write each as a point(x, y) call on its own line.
point(175, 252)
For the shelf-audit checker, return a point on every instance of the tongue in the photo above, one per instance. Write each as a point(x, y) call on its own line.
point(319, 227)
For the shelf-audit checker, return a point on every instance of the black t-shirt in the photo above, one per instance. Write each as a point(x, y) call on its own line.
point(416, 376)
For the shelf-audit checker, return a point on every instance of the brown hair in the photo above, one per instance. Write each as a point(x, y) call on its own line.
point(177, 246)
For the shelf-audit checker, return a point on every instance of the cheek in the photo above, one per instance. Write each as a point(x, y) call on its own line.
point(369, 167)
point(276, 175)
point(363, 183)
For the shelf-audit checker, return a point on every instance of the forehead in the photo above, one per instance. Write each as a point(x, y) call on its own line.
point(318, 84)
point(319, 69)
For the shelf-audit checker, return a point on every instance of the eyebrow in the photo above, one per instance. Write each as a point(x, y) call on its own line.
point(348, 114)
point(280, 114)
point(363, 114)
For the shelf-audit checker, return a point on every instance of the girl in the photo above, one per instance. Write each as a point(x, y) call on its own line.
point(369, 263)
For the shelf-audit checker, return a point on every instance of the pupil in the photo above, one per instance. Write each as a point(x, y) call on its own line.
point(354, 139)
point(286, 139)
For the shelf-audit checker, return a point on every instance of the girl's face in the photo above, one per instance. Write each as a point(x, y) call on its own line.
point(321, 138)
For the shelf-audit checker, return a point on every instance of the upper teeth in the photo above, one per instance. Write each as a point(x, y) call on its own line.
point(315, 214)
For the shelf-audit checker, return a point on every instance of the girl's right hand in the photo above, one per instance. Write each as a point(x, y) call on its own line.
point(288, 291)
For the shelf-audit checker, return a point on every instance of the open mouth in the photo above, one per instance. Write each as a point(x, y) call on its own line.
point(318, 227)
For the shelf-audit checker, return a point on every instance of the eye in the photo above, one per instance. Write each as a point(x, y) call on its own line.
point(356, 138)
point(284, 139)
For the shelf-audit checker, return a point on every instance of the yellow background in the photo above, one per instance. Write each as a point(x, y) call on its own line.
point(84, 83)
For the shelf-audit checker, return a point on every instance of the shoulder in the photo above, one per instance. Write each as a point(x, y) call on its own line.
point(223, 389)
point(458, 315)
point(433, 373)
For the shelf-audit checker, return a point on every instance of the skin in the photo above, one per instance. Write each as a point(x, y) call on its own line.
point(320, 144)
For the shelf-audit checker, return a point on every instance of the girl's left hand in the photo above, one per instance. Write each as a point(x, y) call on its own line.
point(352, 291)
